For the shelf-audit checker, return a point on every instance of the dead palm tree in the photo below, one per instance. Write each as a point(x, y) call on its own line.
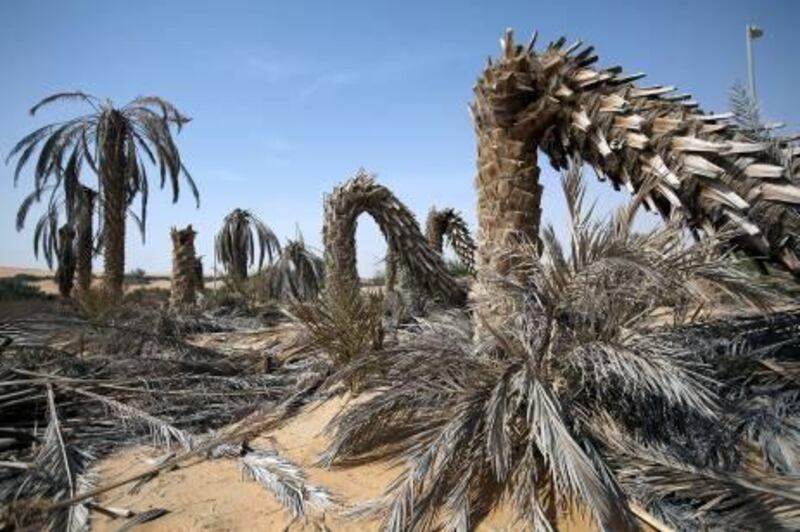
point(65, 250)
point(448, 223)
point(297, 275)
point(116, 143)
point(51, 239)
point(184, 267)
point(578, 399)
point(84, 244)
point(423, 268)
point(712, 171)
point(235, 244)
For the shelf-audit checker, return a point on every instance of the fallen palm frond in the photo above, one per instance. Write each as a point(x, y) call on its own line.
point(285, 480)
point(582, 397)
point(130, 378)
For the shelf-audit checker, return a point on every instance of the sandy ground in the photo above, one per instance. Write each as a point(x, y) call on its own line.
point(213, 495)
point(48, 285)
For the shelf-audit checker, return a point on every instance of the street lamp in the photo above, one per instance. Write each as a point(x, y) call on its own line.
point(752, 33)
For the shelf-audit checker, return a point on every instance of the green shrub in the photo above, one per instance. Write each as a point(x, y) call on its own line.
point(28, 278)
point(456, 268)
point(154, 296)
point(12, 289)
point(136, 276)
point(345, 322)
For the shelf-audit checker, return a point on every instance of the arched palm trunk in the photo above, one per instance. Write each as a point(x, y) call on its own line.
point(713, 173)
point(114, 207)
point(449, 223)
point(85, 241)
point(184, 267)
point(407, 245)
point(65, 272)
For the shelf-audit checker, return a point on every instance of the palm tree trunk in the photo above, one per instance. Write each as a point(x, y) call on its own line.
point(84, 246)
point(115, 205)
point(240, 266)
point(184, 267)
point(507, 183)
point(65, 273)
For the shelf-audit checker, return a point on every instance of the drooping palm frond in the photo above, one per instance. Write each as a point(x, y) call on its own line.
point(523, 410)
point(144, 137)
point(236, 242)
point(297, 275)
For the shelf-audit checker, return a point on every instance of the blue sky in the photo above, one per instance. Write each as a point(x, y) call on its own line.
point(290, 98)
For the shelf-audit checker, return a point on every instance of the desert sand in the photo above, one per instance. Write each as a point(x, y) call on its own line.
point(214, 495)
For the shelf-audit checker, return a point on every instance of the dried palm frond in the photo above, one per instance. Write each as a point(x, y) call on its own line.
point(106, 395)
point(285, 480)
point(523, 411)
point(297, 275)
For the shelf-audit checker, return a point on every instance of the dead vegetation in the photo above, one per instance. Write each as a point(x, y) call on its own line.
point(639, 379)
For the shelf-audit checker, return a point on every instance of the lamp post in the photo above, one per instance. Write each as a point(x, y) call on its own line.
point(752, 33)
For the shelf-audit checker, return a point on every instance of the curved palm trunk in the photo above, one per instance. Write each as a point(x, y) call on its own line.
point(415, 260)
point(507, 183)
point(65, 273)
point(115, 205)
point(84, 218)
point(709, 171)
point(448, 222)
point(184, 267)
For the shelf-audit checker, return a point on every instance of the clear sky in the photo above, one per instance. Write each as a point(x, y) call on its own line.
point(290, 98)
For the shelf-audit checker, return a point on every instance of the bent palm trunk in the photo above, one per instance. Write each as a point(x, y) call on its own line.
point(407, 246)
point(449, 223)
point(700, 166)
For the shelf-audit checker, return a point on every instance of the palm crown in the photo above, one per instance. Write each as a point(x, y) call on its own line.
point(235, 245)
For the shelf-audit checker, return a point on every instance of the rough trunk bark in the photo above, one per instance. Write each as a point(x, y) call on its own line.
point(507, 182)
point(184, 267)
point(84, 219)
point(239, 267)
point(65, 272)
point(115, 203)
